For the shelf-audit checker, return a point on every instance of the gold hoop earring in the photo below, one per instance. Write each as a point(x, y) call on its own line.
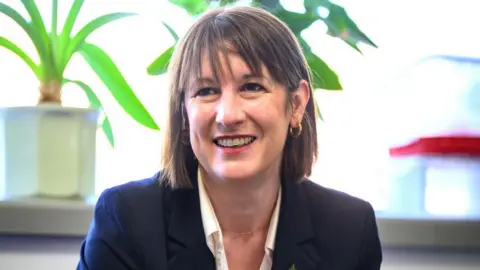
point(298, 132)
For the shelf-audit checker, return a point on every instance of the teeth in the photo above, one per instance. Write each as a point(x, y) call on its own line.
point(235, 142)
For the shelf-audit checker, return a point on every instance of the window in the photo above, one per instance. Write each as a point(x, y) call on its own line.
point(353, 154)
point(354, 141)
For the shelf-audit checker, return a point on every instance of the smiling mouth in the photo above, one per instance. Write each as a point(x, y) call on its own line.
point(234, 142)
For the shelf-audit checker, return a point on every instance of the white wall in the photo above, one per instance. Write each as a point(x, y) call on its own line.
point(25, 253)
point(431, 260)
point(22, 253)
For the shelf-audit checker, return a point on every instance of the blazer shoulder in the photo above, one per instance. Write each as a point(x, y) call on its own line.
point(346, 223)
point(125, 216)
point(141, 189)
point(148, 195)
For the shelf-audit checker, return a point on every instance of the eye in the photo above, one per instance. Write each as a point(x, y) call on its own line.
point(254, 87)
point(206, 92)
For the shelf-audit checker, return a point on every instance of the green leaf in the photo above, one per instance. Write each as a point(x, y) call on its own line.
point(322, 75)
point(54, 17)
point(193, 7)
point(160, 65)
point(39, 27)
point(34, 36)
point(56, 50)
point(269, 5)
point(95, 103)
point(341, 25)
point(108, 72)
point(227, 2)
point(67, 30)
point(312, 4)
point(297, 22)
point(71, 18)
point(171, 31)
point(88, 29)
point(20, 53)
point(317, 109)
point(37, 20)
point(107, 129)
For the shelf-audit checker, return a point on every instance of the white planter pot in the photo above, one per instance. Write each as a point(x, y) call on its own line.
point(48, 150)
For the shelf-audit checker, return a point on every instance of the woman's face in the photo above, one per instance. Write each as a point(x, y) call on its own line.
point(238, 126)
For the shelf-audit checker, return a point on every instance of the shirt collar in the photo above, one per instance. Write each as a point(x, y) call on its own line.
point(209, 219)
point(272, 229)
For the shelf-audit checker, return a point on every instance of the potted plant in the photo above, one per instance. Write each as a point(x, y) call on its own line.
point(339, 24)
point(49, 149)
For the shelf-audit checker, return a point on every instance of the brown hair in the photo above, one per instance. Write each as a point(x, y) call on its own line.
point(260, 39)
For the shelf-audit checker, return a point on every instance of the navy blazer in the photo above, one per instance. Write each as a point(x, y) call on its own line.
point(149, 226)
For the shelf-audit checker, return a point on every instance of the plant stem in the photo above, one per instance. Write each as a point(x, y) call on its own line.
point(50, 92)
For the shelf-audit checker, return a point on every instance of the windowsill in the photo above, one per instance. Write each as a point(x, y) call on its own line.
point(71, 218)
point(41, 216)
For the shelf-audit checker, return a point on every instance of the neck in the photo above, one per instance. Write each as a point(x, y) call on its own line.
point(243, 207)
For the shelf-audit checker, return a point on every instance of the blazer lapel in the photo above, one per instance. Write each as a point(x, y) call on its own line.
point(187, 248)
point(293, 243)
point(186, 244)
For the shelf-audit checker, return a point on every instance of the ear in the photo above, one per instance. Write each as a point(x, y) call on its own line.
point(300, 99)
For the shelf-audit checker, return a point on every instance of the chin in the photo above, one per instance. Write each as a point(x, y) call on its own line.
point(233, 173)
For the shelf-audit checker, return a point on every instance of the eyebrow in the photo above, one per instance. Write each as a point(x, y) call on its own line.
point(244, 77)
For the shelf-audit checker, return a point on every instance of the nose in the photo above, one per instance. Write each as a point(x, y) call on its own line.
point(230, 112)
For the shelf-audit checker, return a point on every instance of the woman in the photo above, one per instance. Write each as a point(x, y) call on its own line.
point(233, 193)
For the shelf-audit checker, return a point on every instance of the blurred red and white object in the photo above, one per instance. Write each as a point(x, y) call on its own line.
point(432, 122)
